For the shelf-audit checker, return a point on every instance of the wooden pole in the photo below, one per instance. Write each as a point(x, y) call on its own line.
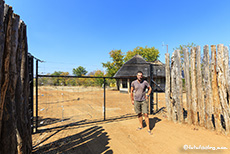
point(13, 76)
point(7, 138)
point(15, 132)
point(207, 89)
point(167, 86)
point(27, 139)
point(18, 93)
point(187, 85)
point(2, 42)
point(200, 93)
point(226, 78)
point(193, 85)
point(226, 70)
point(222, 86)
point(173, 88)
point(179, 87)
point(215, 94)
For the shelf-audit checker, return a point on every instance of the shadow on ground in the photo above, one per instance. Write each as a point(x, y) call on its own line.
point(153, 121)
point(49, 121)
point(85, 122)
point(74, 125)
point(93, 140)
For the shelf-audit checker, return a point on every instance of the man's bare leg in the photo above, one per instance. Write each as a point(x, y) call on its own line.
point(147, 120)
point(140, 118)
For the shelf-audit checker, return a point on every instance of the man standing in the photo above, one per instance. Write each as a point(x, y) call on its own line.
point(138, 87)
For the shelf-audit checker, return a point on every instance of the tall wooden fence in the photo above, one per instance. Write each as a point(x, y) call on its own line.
point(201, 95)
point(15, 124)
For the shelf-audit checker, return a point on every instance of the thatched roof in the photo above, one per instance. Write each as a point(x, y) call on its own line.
point(130, 68)
point(158, 68)
point(138, 63)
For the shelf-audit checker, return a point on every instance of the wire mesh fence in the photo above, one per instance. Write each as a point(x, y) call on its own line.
point(70, 99)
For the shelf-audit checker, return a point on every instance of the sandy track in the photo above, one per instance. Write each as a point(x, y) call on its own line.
point(118, 134)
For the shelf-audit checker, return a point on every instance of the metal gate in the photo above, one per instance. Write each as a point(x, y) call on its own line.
point(155, 89)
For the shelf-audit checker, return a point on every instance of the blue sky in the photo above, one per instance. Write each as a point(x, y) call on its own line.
point(71, 33)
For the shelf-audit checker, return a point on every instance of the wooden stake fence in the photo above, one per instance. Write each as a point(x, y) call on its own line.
point(207, 87)
point(15, 123)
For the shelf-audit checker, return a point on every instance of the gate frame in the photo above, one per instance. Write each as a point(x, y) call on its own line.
point(152, 84)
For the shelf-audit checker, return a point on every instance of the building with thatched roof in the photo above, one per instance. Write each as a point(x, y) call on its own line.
point(127, 73)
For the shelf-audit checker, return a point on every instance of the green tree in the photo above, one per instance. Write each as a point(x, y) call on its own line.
point(79, 71)
point(181, 47)
point(99, 81)
point(149, 54)
point(117, 61)
point(64, 81)
point(56, 80)
point(57, 73)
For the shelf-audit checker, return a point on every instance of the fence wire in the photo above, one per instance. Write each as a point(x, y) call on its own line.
point(71, 99)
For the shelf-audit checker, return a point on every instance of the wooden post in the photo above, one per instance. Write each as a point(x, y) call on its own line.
point(15, 131)
point(173, 88)
point(187, 85)
point(222, 86)
point(121, 86)
point(2, 42)
point(226, 78)
point(200, 92)
point(167, 87)
point(207, 89)
point(226, 70)
point(19, 92)
point(27, 139)
point(215, 94)
point(13, 76)
point(7, 138)
point(179, 87)
point(193, 85)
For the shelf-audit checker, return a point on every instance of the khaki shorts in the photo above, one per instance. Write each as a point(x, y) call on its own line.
point(141, 106)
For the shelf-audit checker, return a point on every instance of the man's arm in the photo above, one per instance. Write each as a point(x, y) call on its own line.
point(149, 92)
point(131, 94)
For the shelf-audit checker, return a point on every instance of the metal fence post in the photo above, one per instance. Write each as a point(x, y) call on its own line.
point(104, 99)
point(36, 128)
point(157, 91)
point(31, 83)
point(151, 85)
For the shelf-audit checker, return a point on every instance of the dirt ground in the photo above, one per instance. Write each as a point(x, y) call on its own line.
point(71, 120)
